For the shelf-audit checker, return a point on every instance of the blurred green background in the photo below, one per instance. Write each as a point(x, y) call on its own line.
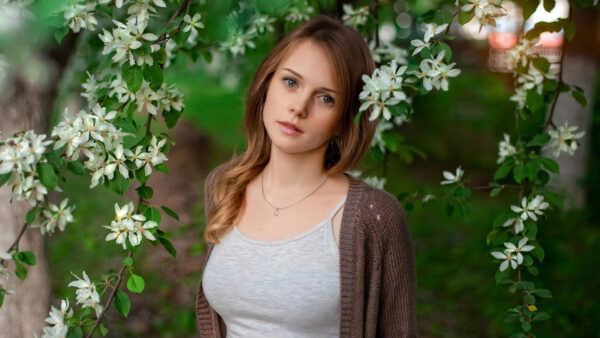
point(457, 293)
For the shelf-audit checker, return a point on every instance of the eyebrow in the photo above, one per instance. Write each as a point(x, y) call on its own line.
point(300, 76)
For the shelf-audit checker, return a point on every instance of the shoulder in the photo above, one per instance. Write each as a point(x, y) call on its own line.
point(380, 212)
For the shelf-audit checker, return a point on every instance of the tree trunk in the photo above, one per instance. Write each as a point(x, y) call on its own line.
point(27, 105)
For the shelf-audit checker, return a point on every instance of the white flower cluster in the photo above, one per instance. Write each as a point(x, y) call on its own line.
point(513, 254)
point(128, 225)
point(563, 139)
point(191, 25)
point(5, 272)
point(452, 178)
point(80, 16)
point(434, 73)
point(19, 156)
point(431, 30)
point(486, 11)
point(299, 13)
point(355, 17)
point(239, 38)
point(522, 52)
point(90, 89)
point(86, 293)
point(58, 319)
point(261, 23)
point(382, 89)
point(527, 210)
point(388, 52)
point(505, 149)
point(125, 38)
point(55, 216)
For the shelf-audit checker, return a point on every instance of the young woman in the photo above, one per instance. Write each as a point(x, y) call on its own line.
point(297, 247)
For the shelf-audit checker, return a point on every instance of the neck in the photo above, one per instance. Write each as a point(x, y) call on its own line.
point(287, 175)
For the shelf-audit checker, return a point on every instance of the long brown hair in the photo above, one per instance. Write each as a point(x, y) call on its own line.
point(350, 56)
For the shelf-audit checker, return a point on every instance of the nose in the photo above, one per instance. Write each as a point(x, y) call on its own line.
point(300, 105)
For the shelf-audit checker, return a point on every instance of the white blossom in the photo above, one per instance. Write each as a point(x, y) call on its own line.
point(55, 216)
point(377, 182)
point(79, 16)
point(563, 139)
point(261, 23)
point(507, 258)
point(452, 178)
point(377, 141)
point(521, 247)
point(355, 17)
point(191, 24)
point(505, 149)
point(529, 209)
point(382, 89)
point(517, 221)
point(432, 30)
point(129, 226)
point(296, 14)
point(237, 42)
point(58, 319)
point(486, 11)
point(86, 293)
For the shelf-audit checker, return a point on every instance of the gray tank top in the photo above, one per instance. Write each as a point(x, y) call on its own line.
point(284, 288)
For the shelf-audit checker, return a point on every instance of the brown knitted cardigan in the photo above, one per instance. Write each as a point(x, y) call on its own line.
point(377, 268)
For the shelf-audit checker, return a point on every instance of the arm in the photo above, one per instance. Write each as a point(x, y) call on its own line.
point(397, 310)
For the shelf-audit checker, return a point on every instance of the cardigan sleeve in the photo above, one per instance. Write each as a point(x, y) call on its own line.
point(397, 311)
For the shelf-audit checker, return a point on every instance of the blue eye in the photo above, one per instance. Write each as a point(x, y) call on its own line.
point(287, 81)
point(327, 99)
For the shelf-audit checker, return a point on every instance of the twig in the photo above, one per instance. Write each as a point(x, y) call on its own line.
point(560, 79)
point(110, 298)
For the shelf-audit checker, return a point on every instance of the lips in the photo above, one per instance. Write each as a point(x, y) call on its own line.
point(291, 126)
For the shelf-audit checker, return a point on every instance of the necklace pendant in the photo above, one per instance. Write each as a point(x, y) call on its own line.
point(276, 211)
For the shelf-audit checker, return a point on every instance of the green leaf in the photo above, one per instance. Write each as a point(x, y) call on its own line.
point(21, 270)
point(47, 175)
point(54, 159)
point(133, 76)
point(122, 303)
point(569, 28)
point(539, 140)
point(544, 293)
point(533, 270)
point(503, 170)
point(501, 219)
point(579, 97)
point(76, 168)
point(160, 56)
point(119, 184)
point(135, 283)
point(519, 172)
point(491, 235)
point(153, 214)
point(531, 168)
point(501, 276)
point(538, 253)
point(465, 17)
point(60, 34)
point(103, 329)
point(551, 165)
point(447, 52)
point(541, 316)
point(145, 192)
point(141, 175)
point(27, 257)
point(171, 117)
point(495, 192)
point(31, 214)
point(154, 75)
point(526, 326)
point(168, 246)
point(4, 178)
point(534, 100)
point(74, 332)
point(128, 261)
point(541, 63)
point(130, 109)
point(531, 231)
point(170, 212)
point(449, 209)
point(162, 168)
point(543, 26)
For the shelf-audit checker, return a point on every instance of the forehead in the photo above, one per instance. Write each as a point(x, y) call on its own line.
point(309, 60)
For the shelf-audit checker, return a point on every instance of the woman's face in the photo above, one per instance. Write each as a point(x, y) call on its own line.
point(302, 92)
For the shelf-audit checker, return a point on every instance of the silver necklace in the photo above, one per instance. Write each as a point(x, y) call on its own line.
point(276, 209)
